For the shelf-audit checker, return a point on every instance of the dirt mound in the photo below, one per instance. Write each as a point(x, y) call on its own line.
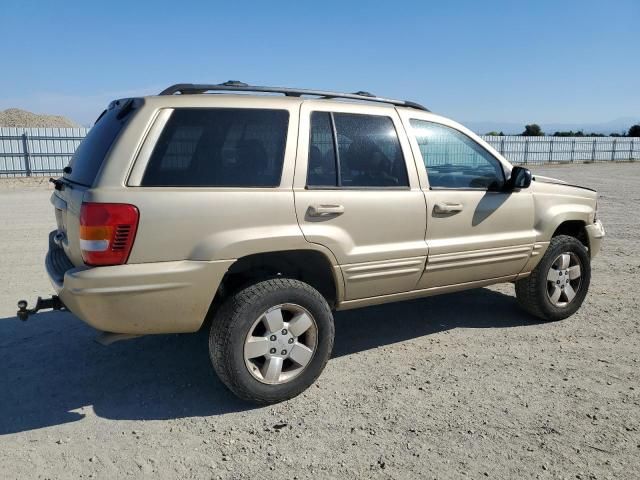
point(14, 117)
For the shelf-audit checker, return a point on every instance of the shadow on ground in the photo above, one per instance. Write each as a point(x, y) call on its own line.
point(51, 369)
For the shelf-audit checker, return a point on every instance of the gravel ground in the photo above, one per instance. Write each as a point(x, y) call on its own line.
point(14, 117)
point(458, 385)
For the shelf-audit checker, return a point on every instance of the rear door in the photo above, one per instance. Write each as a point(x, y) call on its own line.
point(357, 193)
point(475, 229)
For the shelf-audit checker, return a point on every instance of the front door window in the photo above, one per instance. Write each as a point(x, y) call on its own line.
point(454, 160)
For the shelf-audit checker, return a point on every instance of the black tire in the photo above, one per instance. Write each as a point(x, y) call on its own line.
point(236, 316)
point(531, 291)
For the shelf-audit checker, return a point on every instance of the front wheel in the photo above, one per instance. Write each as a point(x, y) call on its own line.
point(558, 285)
point(271, 340)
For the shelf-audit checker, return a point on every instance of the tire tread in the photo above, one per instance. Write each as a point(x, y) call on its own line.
point(528, 288)
point(220, 345)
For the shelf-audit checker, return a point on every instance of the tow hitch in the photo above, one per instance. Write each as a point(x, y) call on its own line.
point(53, 303)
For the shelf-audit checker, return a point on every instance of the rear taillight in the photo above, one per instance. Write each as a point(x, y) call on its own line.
point(107, 232)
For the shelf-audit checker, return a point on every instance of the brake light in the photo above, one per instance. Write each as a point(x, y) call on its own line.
point(107, 232)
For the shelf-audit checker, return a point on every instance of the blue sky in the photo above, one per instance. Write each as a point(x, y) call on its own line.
point(505, 62)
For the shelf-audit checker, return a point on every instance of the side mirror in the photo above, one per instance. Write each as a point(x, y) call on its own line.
point(520, 178)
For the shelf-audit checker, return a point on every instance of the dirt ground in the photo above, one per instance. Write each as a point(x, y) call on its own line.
point(461, 385)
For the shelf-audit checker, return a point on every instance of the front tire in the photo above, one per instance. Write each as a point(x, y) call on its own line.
point(559, 284)
point(270, 341)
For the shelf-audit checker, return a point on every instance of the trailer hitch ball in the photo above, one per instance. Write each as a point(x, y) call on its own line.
point(23, 313)
point(53, 303)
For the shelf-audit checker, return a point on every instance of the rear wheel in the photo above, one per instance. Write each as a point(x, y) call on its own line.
point(559, 284)
point(270, 341)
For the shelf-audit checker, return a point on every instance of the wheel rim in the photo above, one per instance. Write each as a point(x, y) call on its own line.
point(281, 344)
point(564, 279)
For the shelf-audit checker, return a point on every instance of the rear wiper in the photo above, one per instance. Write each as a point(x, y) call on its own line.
point(127, 107)
point(60, 183)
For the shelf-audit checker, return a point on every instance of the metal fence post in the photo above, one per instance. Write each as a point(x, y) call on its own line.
point(613, 152)
point(526, 149)
point(27, 160)
point(551, 150)
point(502, 146)
point(631, 150)
point(593, 151)
point(573, 150)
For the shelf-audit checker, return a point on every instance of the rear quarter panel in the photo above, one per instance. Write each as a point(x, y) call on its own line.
point(200, 223)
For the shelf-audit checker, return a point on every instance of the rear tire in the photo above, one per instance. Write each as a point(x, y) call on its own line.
point(270, 341)
point(559, 284)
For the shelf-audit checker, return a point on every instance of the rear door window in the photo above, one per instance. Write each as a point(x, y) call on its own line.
point(321, 171)
point(91, 152)
point(218, 147)
point(368, 152)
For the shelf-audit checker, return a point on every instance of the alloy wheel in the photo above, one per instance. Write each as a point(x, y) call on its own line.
point(280, 344)
point(564, 279)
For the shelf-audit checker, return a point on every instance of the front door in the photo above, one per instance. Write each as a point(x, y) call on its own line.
point(475, 229)
point(357, 193)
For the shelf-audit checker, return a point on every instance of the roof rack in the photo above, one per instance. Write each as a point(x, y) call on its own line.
point(237, 86)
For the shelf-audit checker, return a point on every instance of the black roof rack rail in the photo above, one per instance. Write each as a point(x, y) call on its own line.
point(237, 86)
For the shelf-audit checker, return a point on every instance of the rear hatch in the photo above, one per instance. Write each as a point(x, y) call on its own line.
point(82, 171)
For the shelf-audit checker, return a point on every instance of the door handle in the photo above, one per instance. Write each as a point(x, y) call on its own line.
point(446, 207)
point(324, 210)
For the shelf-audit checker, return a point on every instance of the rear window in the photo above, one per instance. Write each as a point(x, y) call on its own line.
point(90, 154)
point(219, 147)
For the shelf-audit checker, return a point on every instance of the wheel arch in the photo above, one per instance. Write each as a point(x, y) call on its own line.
point(312, 266)
point(573, 228)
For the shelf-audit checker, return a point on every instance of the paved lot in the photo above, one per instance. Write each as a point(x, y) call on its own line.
point(458, 385)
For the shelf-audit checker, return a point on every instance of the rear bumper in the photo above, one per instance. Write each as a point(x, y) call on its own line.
point(146, 298)
point(596, 234)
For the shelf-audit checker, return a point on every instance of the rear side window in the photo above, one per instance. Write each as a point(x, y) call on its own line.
point(218, 147)
point(368, 152)
point(90, 154)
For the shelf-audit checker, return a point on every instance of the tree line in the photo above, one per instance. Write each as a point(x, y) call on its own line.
point(534, 130)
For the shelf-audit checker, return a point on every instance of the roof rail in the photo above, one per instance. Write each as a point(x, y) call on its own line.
point(237, 86)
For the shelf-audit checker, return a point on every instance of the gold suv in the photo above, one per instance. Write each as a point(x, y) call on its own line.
point(265, 213)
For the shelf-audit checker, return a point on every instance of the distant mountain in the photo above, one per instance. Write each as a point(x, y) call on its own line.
point(619, 125)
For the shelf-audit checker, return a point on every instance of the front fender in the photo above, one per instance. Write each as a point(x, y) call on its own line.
point(549, 220)
point(556, 204)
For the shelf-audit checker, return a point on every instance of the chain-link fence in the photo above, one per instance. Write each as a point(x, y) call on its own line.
point(541, 150)
point(45, 151)
point(37, 151)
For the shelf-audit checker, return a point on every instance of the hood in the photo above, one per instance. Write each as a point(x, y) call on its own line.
point(556, 181)
point(540, 178)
